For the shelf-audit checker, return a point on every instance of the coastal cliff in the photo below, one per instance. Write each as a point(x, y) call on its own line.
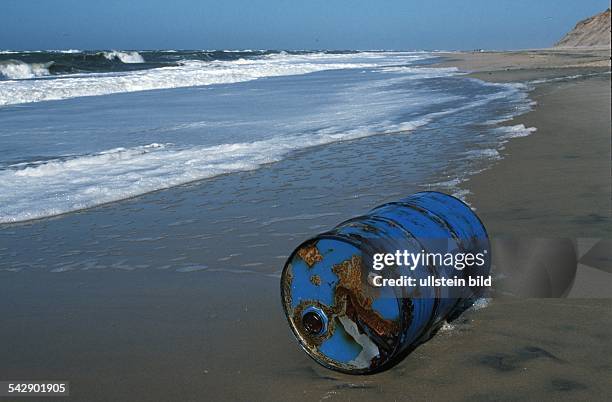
point(590, 32)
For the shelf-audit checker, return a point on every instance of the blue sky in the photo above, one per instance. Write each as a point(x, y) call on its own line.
point(283, 24)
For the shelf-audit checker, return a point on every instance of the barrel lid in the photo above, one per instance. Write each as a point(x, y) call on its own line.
point(340, 320)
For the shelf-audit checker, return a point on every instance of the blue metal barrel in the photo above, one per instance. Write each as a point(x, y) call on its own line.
point(332, 296)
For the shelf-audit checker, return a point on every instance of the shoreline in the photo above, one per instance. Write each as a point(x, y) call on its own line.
point(559, 156)
point(556, 181)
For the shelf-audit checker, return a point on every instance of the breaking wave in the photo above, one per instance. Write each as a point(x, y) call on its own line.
point(124, 57)
point(184, 73)
point(19, 70)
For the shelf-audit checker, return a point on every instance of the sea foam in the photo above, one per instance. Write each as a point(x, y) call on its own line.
point(47, 188)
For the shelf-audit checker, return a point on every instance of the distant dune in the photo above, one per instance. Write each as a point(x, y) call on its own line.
point(590, 32)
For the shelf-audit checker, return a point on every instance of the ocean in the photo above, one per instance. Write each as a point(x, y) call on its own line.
point(324, 135)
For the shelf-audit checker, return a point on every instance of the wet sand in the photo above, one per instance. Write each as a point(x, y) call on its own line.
point(556, 182)
point(155, 334)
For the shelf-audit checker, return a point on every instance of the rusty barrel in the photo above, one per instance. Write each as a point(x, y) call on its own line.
point(347, 323)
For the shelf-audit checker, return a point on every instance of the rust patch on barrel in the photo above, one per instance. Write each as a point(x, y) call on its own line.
point(310, 255)
point(349, 297)
point(349, 274)
point(315, 280)
point(286, 285)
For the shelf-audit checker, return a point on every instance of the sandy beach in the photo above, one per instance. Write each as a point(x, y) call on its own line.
point(156, 334)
